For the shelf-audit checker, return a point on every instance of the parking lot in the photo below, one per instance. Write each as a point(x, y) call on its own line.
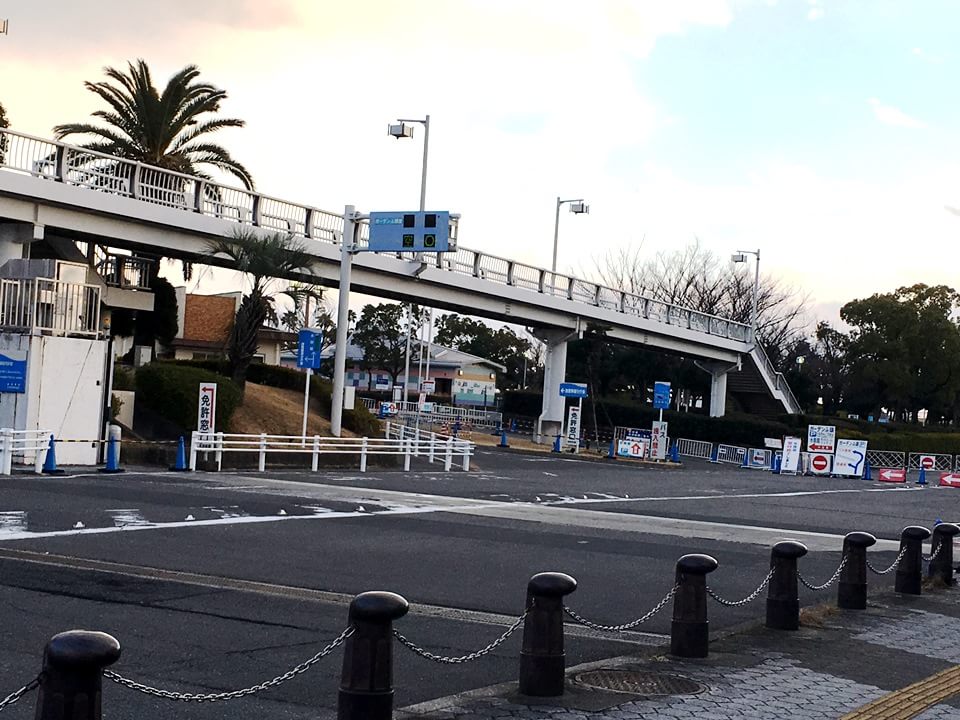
point(218, 581)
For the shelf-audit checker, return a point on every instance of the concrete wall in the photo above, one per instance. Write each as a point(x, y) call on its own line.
point(128, 399)
point(65, 392)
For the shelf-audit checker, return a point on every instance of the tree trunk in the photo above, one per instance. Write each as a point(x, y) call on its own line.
point(242, 345)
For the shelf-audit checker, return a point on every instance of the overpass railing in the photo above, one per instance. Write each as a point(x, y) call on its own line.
point(779, 381)
point(76, 166)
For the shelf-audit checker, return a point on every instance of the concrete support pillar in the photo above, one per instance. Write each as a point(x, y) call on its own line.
point(718, 385)
point(550, 422)
point(14, 237)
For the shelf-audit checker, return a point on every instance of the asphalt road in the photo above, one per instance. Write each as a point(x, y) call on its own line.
point(218, 581)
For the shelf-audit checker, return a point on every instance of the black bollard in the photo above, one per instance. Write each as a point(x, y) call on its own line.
point(783, 598)
point(542, 660)
point(73, 664)
point(941, 565)
point(852, 590)
point(366, 681)
point(690, 629)
point(910, 570)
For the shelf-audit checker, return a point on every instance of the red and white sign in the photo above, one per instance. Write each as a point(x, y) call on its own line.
point(928, 462)
point(892, 475)
point(631, 448)
point(821, 438)
point(820, 463)
point(950, 479)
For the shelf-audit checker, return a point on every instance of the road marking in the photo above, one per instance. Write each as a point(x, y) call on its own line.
point(325, 597)
point(910, 701)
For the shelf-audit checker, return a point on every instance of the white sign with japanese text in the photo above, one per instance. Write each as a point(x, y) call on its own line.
point(821, 438)
point(658, 441)
point(790, 463)
point(207, 408)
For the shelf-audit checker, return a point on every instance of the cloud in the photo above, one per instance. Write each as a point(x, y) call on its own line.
point(890, 115)
point(815, 13)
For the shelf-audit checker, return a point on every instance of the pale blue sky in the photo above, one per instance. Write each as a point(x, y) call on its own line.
point(823, 133)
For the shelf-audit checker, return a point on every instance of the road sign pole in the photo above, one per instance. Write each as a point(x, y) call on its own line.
point(343, 308)
point(306, 405)
point(580, 415)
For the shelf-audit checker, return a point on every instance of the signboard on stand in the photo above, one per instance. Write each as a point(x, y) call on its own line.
point(309, 344)
point(658, 440)
point(850, 459)
point(632, 448)
point(821, 438)
point(573, 427)
point(790, 464)
point(207, 408)
point(819, 463)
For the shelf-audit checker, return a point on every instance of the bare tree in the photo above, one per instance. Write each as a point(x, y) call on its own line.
point(696, 278)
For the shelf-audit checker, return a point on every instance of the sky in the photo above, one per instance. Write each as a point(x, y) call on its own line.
point(821, 132)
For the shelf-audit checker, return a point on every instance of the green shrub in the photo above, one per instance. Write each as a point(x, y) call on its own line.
point(124, 377)
point(171, 390)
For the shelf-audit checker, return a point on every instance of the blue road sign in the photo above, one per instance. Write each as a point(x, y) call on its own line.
point(13, 371)
point(417, 231)
point(574, 390)
point(309, 343)
point(661, 395)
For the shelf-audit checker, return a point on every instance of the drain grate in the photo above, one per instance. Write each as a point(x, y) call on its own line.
point(638, 682)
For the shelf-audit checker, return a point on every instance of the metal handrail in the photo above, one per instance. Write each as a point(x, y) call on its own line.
point(781, 383)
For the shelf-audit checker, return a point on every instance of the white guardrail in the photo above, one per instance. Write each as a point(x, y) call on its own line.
point(71, 165)
point(441, 413)
point(400, 440)
point(24, 446)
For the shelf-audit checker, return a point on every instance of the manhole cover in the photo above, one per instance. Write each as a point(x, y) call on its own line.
point(639, 683)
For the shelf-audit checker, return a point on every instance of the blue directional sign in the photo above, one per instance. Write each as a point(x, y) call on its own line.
point(574, 390)
point(661, 395)
point(13, 371)
point(309, 344)
point(409, 231)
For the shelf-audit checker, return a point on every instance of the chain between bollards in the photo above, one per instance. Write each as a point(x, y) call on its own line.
point(890, 569)
point(422, 652)
point(749, 598)
point(17, 694)
point(625, 626)
point(828, 583)
point(931, 556)
point(232, 694)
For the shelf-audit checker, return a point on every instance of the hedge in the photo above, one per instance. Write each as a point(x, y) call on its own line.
point(359, 420)
point(170, 390)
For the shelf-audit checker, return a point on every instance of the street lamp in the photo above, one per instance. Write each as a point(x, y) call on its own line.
point(579, 207)
point(741, 257)
point(401, 129)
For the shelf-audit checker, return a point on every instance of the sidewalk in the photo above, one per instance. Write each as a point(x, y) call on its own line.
point(894, 660)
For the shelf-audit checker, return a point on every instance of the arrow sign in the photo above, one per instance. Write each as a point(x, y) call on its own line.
point(892, 475)
point(950, 480)
point(574, 390)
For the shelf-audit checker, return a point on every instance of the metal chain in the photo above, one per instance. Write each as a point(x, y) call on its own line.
point(749, 598)
point(828, 583)
point(626, 626)
point(233, 694)
point(892, 567)
point(463, 658)
point(936, 551)
point(16, 695)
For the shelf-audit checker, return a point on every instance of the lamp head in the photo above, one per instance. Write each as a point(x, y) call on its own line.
point(400, 130)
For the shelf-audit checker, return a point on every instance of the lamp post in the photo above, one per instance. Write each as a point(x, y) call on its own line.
point(739, 257)
point(578, 207)
point(404, 130)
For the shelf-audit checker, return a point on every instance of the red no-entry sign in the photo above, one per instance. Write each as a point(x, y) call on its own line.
point(928, 462)
point(819, 462)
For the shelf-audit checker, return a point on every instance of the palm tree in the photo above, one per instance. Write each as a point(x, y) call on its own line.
point(4, 140)
point(263, 258)
point(162, 129)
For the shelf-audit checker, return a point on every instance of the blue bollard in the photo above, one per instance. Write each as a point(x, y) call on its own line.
point(922, 480)
point(611, 453)
point(867, 475)
point(503, 440)
point(50, 461)
point(556, 444)
point(715, 454)
point(746, 461)
point(775, 465)
point(181, 463)
point(674, 453)
point(113, 461)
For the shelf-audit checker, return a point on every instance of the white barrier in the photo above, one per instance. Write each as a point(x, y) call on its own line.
point(19, 444)
point(732, 454)
point(441, 413)
point(400, 440)
point(759, 459)
point(695, 448)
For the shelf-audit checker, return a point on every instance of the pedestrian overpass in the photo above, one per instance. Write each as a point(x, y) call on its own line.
point(51, 187)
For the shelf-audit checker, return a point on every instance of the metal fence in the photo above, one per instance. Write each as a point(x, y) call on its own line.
point(886, 459)
point(399, 441)
point(915, 461)
point(24, 447)
point(695, 448)
point(46, 306)
point(441, 413)
point(733, 454)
